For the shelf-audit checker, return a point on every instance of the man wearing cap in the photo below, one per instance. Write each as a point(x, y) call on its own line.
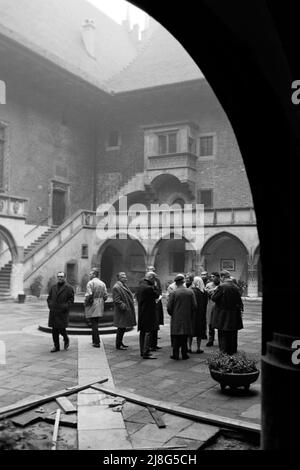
point(227, 313)
point(147, 319)
point(181, 308)
point(159, 309)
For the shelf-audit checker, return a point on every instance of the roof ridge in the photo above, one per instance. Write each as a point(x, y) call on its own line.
point(135, 58)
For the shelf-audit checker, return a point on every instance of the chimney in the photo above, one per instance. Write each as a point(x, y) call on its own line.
point(89, 37)
point(126, 23)
point(150, 25)
point(134, 34)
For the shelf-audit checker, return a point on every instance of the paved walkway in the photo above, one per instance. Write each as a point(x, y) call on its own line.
point(31, 369)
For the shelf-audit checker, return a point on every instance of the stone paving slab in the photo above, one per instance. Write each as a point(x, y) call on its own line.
point(199, 432)
point(116, 439)
point(98, 417)
point(99, 427)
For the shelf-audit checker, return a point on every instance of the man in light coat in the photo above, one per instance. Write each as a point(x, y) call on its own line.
point(60, 298)
point(95, 296)
point(124, 313)
point(181, 308)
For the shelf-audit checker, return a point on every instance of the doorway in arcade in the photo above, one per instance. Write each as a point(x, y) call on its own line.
point(122, 255)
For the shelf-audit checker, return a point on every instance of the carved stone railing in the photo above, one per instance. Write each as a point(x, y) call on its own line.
point(13, 206)
point(57, 239)
point(155, 220)
point(158, 219)
point(230, 216)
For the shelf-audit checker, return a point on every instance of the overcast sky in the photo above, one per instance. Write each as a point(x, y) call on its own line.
point(117, 10)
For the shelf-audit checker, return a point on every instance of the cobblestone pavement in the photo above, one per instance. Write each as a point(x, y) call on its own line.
point(31, 369)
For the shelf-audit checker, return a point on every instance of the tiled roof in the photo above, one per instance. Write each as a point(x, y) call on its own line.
point(161, 61)
point(53, 28)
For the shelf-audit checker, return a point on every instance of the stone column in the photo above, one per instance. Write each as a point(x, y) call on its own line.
point(252, 281)
point(280, 393)
point(16, 280)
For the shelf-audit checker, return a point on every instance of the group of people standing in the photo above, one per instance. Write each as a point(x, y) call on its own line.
point(196, 304)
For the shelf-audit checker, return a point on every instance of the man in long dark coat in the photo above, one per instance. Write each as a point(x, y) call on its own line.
point(124, 313)
point(181, 307)
point(159, 309)
point(147, 319)
point(60, 298)
point(227, 313)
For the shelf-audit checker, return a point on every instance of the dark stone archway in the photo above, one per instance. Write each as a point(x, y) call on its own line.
point(248, 52)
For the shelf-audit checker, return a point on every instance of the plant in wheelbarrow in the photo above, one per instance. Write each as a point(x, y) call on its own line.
point(234, 371)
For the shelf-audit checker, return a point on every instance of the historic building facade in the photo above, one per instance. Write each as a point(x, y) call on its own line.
point(92, 114)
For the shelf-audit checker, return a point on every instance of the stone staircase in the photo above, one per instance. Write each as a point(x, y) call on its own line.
point(135, 183)
point(5, 271)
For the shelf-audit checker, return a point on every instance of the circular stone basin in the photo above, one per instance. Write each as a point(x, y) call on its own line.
point(234, 380)
point(78, 324)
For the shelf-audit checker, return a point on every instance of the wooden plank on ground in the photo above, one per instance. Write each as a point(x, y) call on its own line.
point(209, 418)
point(27, 418)
point(55, 430)
point(65, 420)
point(65, 404)
point(25, 405)
point(158, 419)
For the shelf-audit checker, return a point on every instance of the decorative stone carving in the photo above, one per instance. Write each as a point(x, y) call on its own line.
point(16, 207)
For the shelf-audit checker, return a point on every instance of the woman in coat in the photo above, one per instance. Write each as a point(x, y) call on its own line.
point(124, 313)
point(196, 284)
point(147, 318)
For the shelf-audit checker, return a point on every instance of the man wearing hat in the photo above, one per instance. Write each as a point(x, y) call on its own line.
point(181, 308)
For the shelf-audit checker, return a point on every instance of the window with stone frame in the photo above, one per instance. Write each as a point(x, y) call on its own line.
point(207, 146)
point(205, 196)
point(167, 143)
point(113, 140)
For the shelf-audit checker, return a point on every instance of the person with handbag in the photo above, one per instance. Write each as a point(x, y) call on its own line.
point(95, 296)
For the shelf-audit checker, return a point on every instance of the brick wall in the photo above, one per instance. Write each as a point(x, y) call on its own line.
point(48, 139)
point(225, 174)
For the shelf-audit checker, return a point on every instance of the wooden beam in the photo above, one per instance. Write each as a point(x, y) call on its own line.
point(208, 418)
point(158, 419)
point(65, 404)
point(55, 430)
point(25, 405)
